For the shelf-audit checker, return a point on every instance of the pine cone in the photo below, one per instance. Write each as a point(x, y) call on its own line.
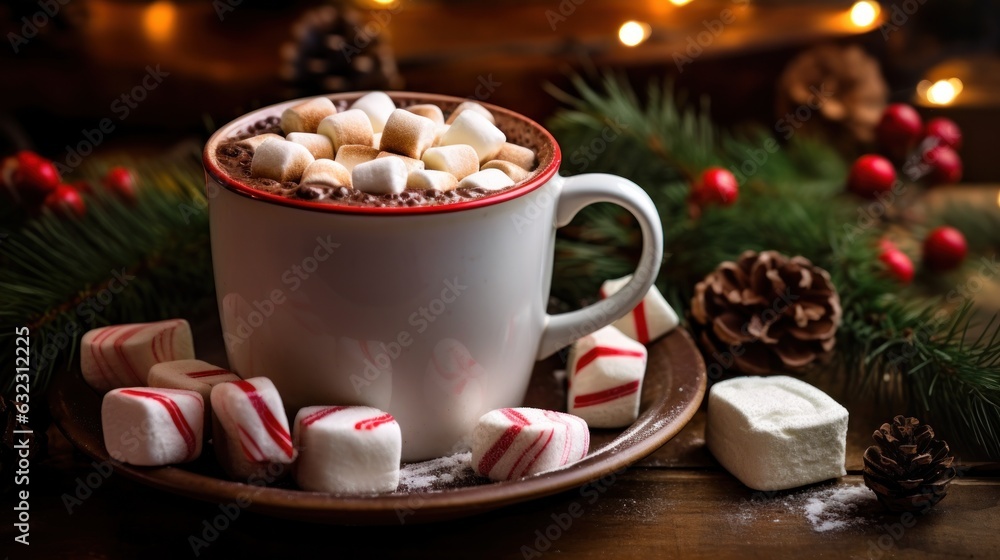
point(841, 85)
point(907, 468)
point(766, 312)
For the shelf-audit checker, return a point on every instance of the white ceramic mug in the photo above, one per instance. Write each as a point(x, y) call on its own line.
point(436, 314)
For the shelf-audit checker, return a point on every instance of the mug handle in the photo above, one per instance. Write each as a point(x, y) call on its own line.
point(582, 190)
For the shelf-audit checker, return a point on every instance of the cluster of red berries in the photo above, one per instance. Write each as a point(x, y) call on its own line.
point(35, 182)
point(944, 249)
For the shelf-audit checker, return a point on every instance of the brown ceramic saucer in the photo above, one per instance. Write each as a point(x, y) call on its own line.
point(672, 391)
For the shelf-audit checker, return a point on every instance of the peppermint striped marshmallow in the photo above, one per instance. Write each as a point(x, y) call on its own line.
point(121, 355)
point(152, 427)
point(651, 319)
point(511, 443)
point(604, 373)
point(250, 428)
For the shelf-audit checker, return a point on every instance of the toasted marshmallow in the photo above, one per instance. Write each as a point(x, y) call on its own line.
point(326, 172)
point(475, 130)
point(351, 127)
point(305, 117)
point(471, 106)
point(280, 160)
point(515, 172)
point(518, 155)
point(254, 141)
point(352, 154)
point(489, 179)
point(381, 176)
point(378, 106)
point(317, 144)
point(411, 164)
point(407, 134)
point(461, 160)
point(429, 110)
point(425, 180)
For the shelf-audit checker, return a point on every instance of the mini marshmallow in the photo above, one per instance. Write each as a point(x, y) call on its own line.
point(651, 319)
point(121, 355)
point(518, 155)
point(317, 144)
point(305, 117)
point(423, 180)
point(407, 134)
point(280, 160)
point(513, 442)
point(605, 371)
point(489, 179)
point(411, 164)
point(475, 130)
point(254, 141)
point(152, 427)
point(191, 375)
point(351, 155)
point(471, 106)
point(428, 110)
point(250, 427)
point(515, 172)
point(380, 176)
point(347, 450)
point(776, 433)
point(326, 172)
point(378, 106)
point(439, 133)
point(348, 128)
point(460, 160)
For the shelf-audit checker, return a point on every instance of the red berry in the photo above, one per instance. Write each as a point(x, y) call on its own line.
point(944, 248)
point(66, 200)
point(900, 129)
point(716, 186)
point(35, 172)
point(119, 180)
point(871, 174)
point(946, 166)
point(897, 262)
point(944, 130)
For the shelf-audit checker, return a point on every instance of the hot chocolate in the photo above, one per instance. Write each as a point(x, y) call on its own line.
point(336, 153)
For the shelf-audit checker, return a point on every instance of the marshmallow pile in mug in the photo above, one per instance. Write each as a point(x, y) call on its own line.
point(378, 148)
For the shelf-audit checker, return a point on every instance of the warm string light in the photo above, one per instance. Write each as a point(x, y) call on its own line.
point(158, 20)
point(632, 33)
point(941, 92)
point(680, 2)
point(864, 13)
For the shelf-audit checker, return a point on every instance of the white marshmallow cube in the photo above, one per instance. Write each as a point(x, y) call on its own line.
point(305, 117)
point(351, 127)
point(518, 155)
point(651, 319)
point(378, 106)
point(428, 110)
point(510, 443)
point(407, 134)
point(475, 130)
point(121, 355)
point(489, 179)
point(474, 107)
point(152, 427)
point(423, 180)
point(254, 141)
point(605, 371)
point(352, 155)
point(280, 160)
point(380, 176)
point(460, 160)
point(776, 433)
point(250, 427)
point(347, 450)
point(515, 172)
point(317, 144)
point(326, 172)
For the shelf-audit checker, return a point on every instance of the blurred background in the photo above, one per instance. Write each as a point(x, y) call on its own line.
point(155, 72)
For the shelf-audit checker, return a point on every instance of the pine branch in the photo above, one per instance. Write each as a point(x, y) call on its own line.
point(120, 263)
point(892, 341)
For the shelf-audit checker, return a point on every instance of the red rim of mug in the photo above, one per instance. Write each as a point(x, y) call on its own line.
point(214, 171)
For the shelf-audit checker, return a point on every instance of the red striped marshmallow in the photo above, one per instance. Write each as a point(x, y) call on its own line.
point(347, 450)
point(152, 427)
point(605, 371)
point(251, 429)
point(511, 443)
point(121, 355)
point(649, 320)
point(191, 375)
